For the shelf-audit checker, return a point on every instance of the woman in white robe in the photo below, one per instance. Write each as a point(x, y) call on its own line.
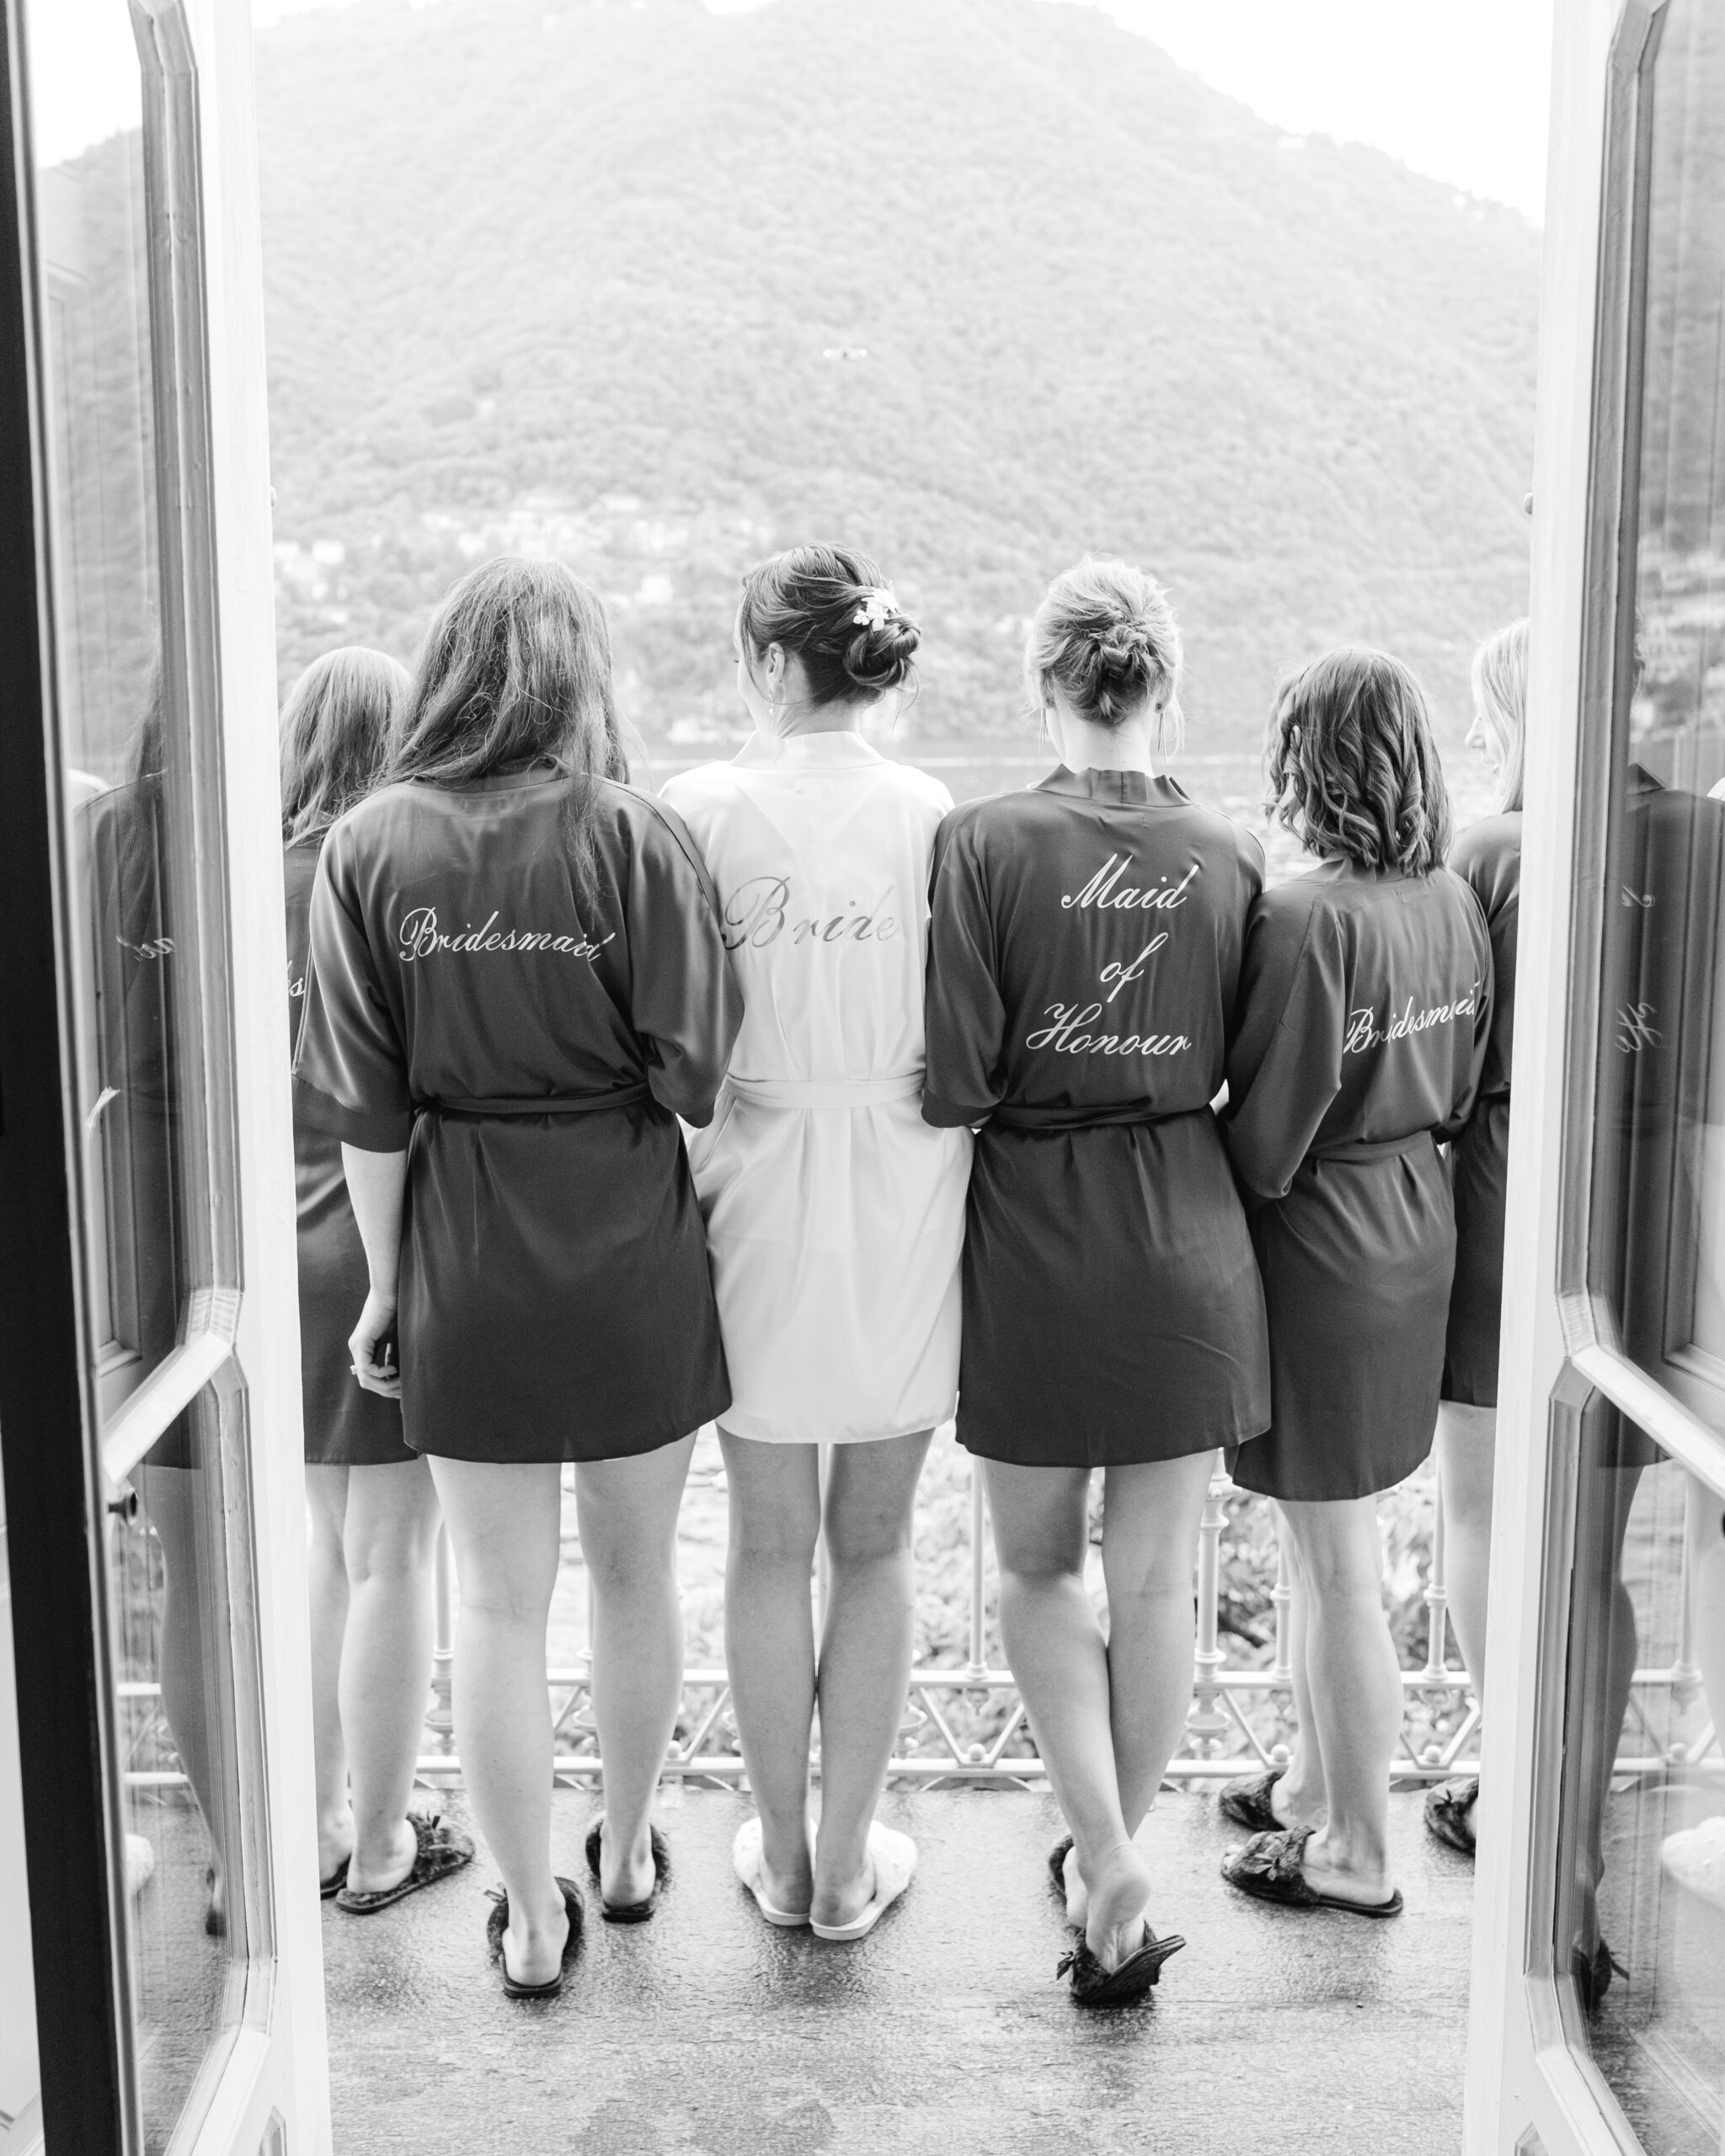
point(835, 1221)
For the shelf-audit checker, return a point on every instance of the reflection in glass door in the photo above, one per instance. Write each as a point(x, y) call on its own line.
point(1640, 1907)
point(113, 118)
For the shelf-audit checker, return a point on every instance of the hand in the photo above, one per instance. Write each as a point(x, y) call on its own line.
point(371, 1344)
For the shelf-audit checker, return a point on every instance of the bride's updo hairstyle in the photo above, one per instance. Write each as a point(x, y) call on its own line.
point(1106, 638)
point(832, 608)
point(1351, 768)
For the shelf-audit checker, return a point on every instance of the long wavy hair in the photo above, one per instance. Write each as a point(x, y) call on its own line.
point(1500, 696)
point(336, 727)
point(516, 671)
point(1351, 768)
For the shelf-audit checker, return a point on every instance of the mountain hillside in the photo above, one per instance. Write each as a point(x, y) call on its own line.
point(978, 284)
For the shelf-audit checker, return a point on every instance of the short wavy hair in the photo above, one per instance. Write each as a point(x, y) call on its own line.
point(1351, 768)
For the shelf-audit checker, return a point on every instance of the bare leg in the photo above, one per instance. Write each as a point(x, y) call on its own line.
point(1054, 1646)
point(1149, 1542)
point(865, 1657)
point(1355, 1692)
point(503, 1522)
point(389, 1538)
point(769, 1637)
point(1466, 1447)
point(629, 1517)
point(1297, 1795)
point(326, 1567)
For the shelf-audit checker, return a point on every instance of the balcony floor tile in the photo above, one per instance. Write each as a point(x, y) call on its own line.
point(706, 2033)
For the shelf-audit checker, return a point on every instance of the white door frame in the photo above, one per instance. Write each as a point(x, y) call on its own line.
point(1531, 2083)
point(279, 2066)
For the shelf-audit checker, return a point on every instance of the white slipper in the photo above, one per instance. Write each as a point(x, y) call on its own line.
point(745, 1862)
point(1696, 1858)
point(895, 1858)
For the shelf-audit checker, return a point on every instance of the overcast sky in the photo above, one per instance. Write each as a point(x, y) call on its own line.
point(1456, 89)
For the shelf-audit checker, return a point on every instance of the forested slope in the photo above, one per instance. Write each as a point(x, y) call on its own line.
point(592, 275)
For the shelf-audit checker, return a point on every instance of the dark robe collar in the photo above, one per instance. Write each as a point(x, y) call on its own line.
point(1116, 789)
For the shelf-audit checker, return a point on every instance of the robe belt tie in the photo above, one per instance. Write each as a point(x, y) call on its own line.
point(620, 1097)
point(1359, 1149)
point(1105, 1116)
point(828, 1092)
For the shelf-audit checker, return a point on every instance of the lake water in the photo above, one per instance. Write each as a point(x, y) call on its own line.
point(1233, 784)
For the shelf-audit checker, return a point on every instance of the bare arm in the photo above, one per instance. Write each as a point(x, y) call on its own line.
point(376, 1183)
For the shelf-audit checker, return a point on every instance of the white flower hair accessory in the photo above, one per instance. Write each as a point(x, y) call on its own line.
point(879, 607)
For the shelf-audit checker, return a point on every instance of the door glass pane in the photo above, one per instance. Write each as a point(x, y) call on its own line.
point(135, 852)
point(1641, 1903)
point(1641, 1906)
point(1658, 1215)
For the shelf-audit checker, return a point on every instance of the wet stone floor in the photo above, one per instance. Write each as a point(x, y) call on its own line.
point(706, 2031)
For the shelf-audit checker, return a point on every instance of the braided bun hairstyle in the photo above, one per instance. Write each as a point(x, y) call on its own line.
point(831, 605)
point(1351, 768)
point(1106, 639)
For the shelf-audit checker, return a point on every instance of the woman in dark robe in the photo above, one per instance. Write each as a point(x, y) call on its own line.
point(372, 1508)
point(518, 985)
point(1487, 857)
point(1367, 989)
point(1084, 962)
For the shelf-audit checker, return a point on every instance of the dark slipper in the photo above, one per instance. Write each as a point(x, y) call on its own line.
point(1092, 1985)
point(1057, 1865)
point(497, 1922)
point(1593, 1974)
point(631, 1911)
point(1270, 1868)
point(331, 1886)
point(1449, 1812)
point(441, 1850)
point(1248, 1804)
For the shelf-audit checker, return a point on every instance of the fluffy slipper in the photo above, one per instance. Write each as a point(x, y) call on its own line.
point(745, 1862)
point(1248, 1804)
point(630, 1911)
point(331, 1886)
point(894, 1856)
point(1696, 1858)
point(1271, 1869)
point(1092, 1985)
point(1449, 1812)
point(497, 1922)
point(441, 1850)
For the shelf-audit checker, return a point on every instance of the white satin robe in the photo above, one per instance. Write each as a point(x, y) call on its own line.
point(835, 1214)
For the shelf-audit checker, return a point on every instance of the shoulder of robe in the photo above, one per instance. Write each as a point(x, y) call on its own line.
point(1488, 854)
point(655, 823)
point(689, 791)
point(920, 786)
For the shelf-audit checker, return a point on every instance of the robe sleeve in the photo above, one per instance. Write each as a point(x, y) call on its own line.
point(1468, 1092)
point(1285, 1069)
point(684, 1001)
point(964, 1017)
point(350, 1073)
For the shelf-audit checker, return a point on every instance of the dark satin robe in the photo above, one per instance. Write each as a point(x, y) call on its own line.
point(555, 1301)
point(345, 1425)
point(1083, 960)
point(1487, 857)
point(1367, 1014)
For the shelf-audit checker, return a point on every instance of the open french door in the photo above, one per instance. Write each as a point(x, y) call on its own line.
point(1598, 1997)
point(149, 1397)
